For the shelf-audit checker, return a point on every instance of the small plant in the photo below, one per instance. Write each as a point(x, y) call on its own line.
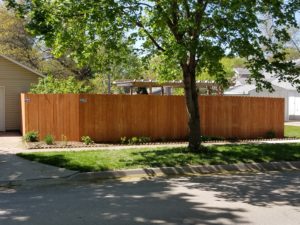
point(144, 140)
point(64, 140)
point(124, 140)
point(270, 134)
point(31, 136)
point(87, 140)
point(211, 138)
point(49, 139)
point(133, 141)
point(233, 139)
point(162, 139)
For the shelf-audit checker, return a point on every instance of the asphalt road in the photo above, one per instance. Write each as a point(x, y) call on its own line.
point(213, 200)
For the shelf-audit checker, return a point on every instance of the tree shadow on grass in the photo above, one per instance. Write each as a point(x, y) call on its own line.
point(231, 154)
point(170, 157)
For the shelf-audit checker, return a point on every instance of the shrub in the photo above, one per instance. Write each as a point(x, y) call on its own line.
point(212, 138)
point(87, 140)
point(233, 139)
point(49, 139)
point(136, 140)
point(31, 136)
point(133, 141)
point(270, 134)
point(51, 84)
point(145, 140)
point(124, 140)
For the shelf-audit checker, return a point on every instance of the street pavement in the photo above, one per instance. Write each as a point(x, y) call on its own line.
point(261, 199)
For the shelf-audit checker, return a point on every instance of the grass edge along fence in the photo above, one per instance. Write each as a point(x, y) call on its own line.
point(107, 118)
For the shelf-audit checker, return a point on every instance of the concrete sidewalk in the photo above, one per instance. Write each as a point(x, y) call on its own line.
point(292, 123)
point(14, 168)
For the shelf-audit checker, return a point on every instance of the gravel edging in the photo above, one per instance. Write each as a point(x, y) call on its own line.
point(80, 145)
point(163, 171)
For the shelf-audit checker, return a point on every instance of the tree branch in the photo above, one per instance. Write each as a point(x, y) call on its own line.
point(173, 25)
point(140, 25)
point(187, 8)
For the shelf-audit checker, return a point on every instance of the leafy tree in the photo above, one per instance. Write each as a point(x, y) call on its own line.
point(52, 85)
point(196, 34)
point(292, 53)
point(18, 44)
point(15, 41)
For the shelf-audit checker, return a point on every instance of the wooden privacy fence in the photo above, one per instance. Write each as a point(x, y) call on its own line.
point(107, 118)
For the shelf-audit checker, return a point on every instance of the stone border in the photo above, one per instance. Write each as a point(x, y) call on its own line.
point(163, 171)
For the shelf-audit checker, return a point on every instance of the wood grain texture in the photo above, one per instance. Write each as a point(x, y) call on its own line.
point(107, 118)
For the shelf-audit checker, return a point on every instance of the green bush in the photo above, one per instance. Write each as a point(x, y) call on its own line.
point(87, 140)
point(124, 140)
point(145, 140)
point(212, 138)
point(31, 136)
point(53, 85)
point(270, 134)
point(49, 139)
point(135, 140)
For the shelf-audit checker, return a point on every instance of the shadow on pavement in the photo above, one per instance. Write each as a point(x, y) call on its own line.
point(210, 200)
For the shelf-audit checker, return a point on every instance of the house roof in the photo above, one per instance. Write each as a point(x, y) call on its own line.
point(297, 62)
point(240, 71)
point(240, 89)
point(284, 85)
point(21, 65)
point(243, 88)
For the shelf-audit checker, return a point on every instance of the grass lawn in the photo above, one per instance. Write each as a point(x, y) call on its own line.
point(144, 158)
point(292, 131)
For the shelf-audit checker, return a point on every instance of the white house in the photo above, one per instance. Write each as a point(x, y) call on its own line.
point(282, 89)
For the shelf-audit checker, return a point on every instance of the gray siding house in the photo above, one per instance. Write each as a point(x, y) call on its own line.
point(282, 90)
point(15, 78)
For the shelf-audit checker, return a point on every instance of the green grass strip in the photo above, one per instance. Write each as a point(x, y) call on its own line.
point(103, 160)
point(292, 131)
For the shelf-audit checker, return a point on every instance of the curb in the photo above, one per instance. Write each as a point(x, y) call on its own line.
point(38, 181)
point(188, 170)
point(163, 171)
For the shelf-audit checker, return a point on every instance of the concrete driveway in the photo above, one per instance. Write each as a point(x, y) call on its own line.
point(261, 199)
point(14, 168)
point(10, 142)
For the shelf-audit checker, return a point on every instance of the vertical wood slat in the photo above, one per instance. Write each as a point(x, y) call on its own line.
point(107, 118)
point(23, 115)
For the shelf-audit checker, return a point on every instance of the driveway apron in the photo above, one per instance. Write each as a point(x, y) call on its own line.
point(14, 168)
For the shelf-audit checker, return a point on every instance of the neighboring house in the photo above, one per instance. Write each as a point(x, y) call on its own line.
point(282, 89)
point(15, 78)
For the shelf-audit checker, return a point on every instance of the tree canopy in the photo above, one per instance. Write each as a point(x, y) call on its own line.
point(194, 34)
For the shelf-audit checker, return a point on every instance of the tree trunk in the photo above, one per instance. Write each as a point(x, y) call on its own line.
point(191, 97)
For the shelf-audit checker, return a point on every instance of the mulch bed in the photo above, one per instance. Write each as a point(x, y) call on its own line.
point(74, 144)
point(58, 144)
